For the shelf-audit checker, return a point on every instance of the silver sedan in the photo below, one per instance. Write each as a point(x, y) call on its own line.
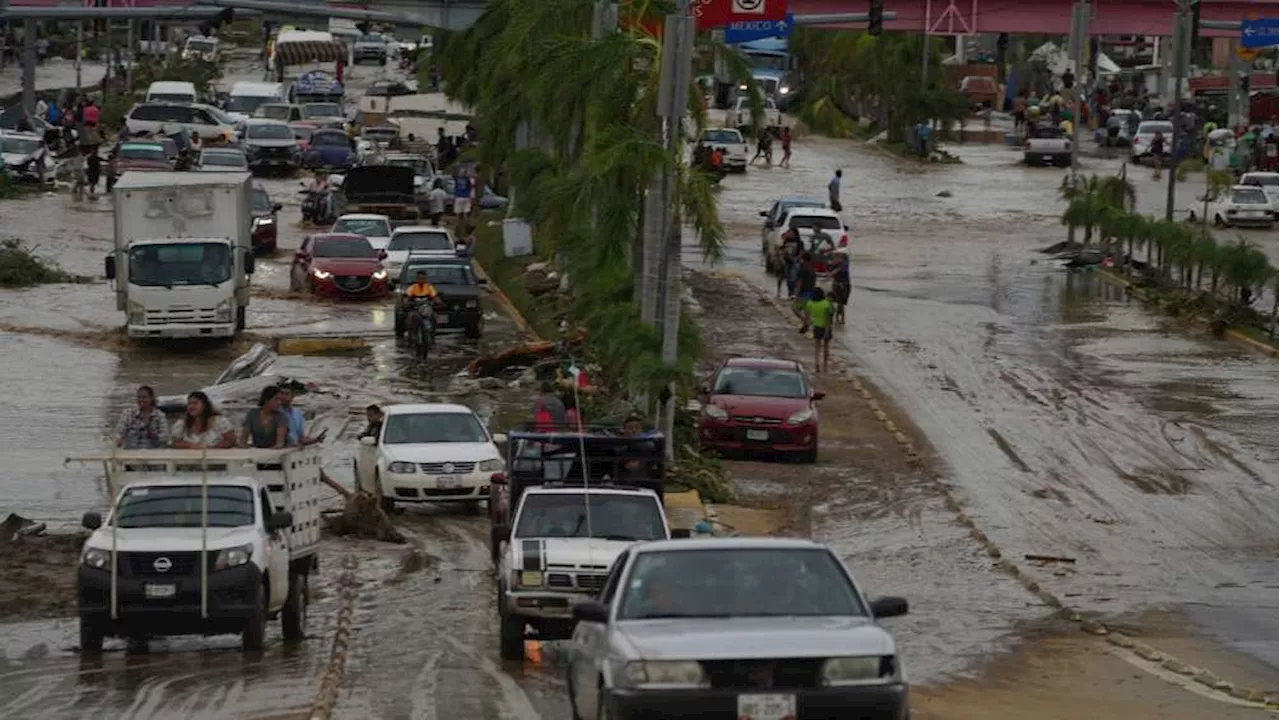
point(760, 628)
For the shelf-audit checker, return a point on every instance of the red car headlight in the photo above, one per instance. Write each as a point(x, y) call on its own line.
point(715, 412)
point(801, 417)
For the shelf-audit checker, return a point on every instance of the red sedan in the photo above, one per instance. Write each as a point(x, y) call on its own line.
point(760, 405)
point(339, 265)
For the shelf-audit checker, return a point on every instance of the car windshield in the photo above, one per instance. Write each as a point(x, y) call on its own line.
point(767, 62)
point(722, 136)
point(405, 428)
point(270, 132)
point(1248, 196)
point(760, 382)
point(368, 227)
point(1151, 128)
point(793, 204)
point(344, 248)
point(321, 110)
point(273, 112)
point(737, 582)
point(260, 201)
point(371, 39)
point(810, 222)
point(1261, 180)
point(420, 241)
point(20, 146)
point(202, 46)
point(330, 139)
point(246, 104)
point(458, 274)
point(132, 151)
point(182, 506)
point(613, 517)
point(185, 264)
point(224, 159)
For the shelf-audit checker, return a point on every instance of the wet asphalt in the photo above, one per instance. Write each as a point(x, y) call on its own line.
point(1073, 421)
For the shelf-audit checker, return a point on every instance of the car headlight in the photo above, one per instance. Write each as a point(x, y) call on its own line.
point(489, 466)
point(403, 468)
point(859, 670)
point(784, 90)
point(321, 274)
point(803, 416)
point(137, 314)
point(262, 221)
point(472, 304)
point(379, 274)
point(222, 313)
point(527, 578)
point(665, 673)
point(716, 412)
point(233, 557)
point(95, 558)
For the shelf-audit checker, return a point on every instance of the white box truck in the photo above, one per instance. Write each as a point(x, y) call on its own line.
point(184, 253)
point(200, 542)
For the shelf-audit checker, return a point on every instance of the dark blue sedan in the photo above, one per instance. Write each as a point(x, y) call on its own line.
point(330, 150)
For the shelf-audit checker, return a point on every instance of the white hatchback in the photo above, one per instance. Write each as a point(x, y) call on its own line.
point(432, 453)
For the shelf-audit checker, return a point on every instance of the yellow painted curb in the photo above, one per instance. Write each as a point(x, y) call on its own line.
point(505, 303)
point(687, 499)
point(320, 345)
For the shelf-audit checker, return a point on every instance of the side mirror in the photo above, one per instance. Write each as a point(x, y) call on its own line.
point(498, 479)
point(482, 281)
point(250, 262)
point(91, 521)
point(818, 395)
point(300, 255)
point(277, 208)
point(681, 533)
point(764, 213)
point(591, 611)
point(282, 520)
point(499, 438)
point(368, 441)
point(888, 607)
point(110, 267)
point(382, 254)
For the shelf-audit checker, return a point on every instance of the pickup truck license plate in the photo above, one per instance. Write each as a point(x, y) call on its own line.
point(758, 435)
point(766, 707)
point(442, 318)
point(447, 483)
point(160, 592)
point(1046, 158)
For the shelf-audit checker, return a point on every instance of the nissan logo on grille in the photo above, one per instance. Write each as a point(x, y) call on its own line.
point(162, 564)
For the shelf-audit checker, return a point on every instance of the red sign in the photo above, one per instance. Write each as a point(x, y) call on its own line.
point(710, 14)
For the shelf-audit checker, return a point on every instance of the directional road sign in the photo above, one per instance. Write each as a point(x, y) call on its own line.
point(1260, 33)
point(751, 30)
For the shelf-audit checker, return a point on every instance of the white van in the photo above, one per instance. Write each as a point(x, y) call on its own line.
point(170, 91)
point(245, 97)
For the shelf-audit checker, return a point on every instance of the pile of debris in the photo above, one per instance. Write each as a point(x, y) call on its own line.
point(362, 517)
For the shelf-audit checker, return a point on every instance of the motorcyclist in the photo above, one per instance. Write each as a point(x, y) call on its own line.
point(322, 197)
point(421, 289)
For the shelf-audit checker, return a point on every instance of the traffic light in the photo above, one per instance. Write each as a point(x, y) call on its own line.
point(875, 18)
point(1094, 50)
point(1244, 87)
point(1195, 20)
point(1002, 42)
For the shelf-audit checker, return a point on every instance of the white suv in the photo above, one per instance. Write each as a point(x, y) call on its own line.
point(556, 555)
point(433, 453)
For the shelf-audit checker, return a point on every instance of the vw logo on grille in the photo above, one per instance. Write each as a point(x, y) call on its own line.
point(447, 468)
point(162, 564)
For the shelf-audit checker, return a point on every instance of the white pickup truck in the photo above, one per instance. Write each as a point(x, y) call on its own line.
point(739, 116)
point(1047, 145)
point(200, 542)
point(556, 553)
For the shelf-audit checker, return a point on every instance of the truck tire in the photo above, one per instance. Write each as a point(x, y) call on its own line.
point(254, 635)
point(510, 633)
point(91, 637)
point(240, 319)
point(293, 619)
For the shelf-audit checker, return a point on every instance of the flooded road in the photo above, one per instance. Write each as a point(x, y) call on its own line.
point(1072, 421)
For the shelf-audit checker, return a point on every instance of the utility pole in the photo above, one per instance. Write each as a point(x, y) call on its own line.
point(79, 50)
point(1076, 51)
point(1181, 59)
point(29, 66)
point(673, 89)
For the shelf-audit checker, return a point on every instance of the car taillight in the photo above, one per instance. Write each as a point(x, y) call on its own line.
point(844, 240)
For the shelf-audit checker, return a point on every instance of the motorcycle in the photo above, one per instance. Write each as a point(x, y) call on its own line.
point(421, 325)
point(317, 207)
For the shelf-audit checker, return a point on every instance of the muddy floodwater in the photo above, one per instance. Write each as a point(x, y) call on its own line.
point(1072, 422)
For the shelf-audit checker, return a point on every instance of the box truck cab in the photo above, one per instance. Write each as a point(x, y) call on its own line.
point(245, 97)
point(183, 253)
point(200, 542)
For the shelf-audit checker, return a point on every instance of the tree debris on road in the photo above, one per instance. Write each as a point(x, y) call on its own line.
point(361, 517)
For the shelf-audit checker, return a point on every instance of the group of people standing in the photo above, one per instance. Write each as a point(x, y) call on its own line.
point(764, 146)
point(274, 423)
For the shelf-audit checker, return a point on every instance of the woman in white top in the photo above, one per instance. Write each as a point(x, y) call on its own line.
point(202, 426)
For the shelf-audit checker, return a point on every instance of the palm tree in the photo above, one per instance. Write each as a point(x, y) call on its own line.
point(1204, 252)
point(1246, 269)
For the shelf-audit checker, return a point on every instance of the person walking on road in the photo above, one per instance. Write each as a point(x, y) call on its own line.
point(817, 314)
point(786, 148)
point(833, 191)
point(1157, 154)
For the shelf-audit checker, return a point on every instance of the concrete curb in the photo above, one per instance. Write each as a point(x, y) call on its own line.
point(505, 303)
point(1227, 691)
point(1231, 333)
point(331, 682)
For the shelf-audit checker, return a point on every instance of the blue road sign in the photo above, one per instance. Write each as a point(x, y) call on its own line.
point(1253, 33)
point(750, 30)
